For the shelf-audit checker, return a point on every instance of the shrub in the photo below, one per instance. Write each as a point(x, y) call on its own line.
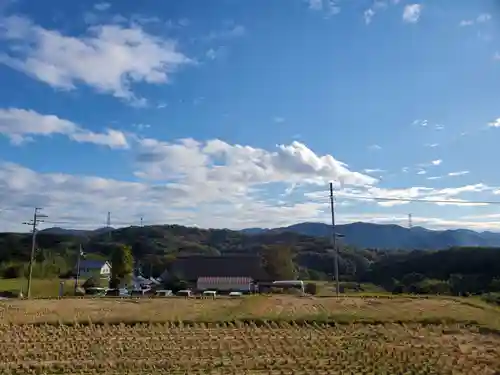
point(397, 289)
point(91, 283)
point(114, 283)
point(12, 272)
point(311, 288)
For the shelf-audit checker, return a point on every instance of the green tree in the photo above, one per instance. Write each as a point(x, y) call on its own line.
point(278, 262)
point(122, 263)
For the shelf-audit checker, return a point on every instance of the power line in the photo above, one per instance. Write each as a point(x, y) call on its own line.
point(34, 224)
point(456, 201)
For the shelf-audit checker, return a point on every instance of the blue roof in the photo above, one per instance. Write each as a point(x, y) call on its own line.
point(92, 264)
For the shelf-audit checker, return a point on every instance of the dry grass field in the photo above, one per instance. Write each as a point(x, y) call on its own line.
point(261, 335)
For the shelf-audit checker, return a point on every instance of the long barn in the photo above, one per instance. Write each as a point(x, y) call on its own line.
point(221, 272)
point(225, 284)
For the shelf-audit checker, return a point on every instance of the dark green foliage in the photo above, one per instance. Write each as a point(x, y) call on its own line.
point(457, 271)
point(91, 283)
point(278, 262)
point(114, 283)
point(311, 288)
point(122, 263)
point(175, 284)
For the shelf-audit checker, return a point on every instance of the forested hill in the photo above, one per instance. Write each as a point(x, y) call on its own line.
point(154, 247)
point(368, 235)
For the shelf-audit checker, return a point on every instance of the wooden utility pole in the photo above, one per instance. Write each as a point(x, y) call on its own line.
point(34, 223)
point(333, 241)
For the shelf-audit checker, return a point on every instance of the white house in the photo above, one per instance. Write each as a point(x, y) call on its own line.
point(89, 268)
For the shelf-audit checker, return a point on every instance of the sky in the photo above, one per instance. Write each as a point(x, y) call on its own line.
point(238, 114)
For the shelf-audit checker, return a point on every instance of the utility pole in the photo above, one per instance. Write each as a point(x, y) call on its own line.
point(334, 241)
point(142, 221)
point(33, 223)
point(80, 254)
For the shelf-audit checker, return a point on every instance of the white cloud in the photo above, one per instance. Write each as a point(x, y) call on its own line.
point(383, 196)
point(109, 58)
point(212, 184)
point(431, 145)
point(220, 164)
point(422, 172)
point(482, 18)
point(496, 56)
point(20, 125)
point(278, 119)
point(433, 163)
point(434, 177)
point(235, 31)
point(368, 15)
point(211, 54)
point(459, 173)
point(422, 123)
point(485, 17)
point(102, 6)
point(464, 23)
point(411, 13)
point(329, 7)
point(374, 170)
point(374, 147)
point(78, 201)
point(315, 4)
point(495, 123)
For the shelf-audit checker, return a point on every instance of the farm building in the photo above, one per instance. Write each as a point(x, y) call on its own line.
point(225, 284)
point(89, 268)
point(191, 268)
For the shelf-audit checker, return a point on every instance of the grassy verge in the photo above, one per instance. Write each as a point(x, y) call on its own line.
point(39, 287)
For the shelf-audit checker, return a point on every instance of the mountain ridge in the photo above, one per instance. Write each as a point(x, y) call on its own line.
point(390, 236)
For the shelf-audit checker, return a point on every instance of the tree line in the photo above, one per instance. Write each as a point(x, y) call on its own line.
point(155, 248)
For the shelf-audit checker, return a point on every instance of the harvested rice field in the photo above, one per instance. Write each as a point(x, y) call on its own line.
point(263, 335)
point(346, 309)
point(231, 348)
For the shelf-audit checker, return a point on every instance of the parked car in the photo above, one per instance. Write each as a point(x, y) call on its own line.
point(121, 292)
point(164, 293)
point(185, 293)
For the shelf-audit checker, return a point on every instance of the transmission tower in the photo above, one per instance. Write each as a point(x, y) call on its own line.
point(108, 224)
point(410, 223)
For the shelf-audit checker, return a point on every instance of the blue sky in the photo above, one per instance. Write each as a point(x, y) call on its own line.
point(238, 113)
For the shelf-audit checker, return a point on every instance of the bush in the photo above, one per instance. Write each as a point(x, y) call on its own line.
point(175, 284)
point(311, 288)
point(12, 272)
point(493, 298)
point(397, 289)
point(91, 283)
point(114, 283)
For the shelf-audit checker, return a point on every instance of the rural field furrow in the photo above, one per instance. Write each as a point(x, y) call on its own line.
point(350, 349)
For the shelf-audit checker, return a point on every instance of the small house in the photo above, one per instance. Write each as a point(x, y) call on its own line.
point(96, 268)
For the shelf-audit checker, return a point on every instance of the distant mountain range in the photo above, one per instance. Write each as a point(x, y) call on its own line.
point(76, 232)
point(362, 235)
point(367, 235)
